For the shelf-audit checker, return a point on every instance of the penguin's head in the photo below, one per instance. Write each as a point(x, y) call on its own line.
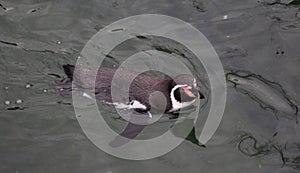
point(184, 88)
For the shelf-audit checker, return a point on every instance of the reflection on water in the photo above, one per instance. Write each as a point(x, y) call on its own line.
point(270, 153)
point(269, 95)
point(41, 133)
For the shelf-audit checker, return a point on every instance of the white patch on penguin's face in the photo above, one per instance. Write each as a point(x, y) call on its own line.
point(176, 105)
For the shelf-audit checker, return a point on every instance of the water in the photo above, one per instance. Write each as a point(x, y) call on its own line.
point(41, 133)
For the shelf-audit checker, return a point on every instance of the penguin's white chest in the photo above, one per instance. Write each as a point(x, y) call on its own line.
point(134, 104)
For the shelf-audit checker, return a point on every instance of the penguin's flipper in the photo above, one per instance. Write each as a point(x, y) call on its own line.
point(131, 131)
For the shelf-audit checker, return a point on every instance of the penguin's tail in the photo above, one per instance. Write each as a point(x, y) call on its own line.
point(69, 70)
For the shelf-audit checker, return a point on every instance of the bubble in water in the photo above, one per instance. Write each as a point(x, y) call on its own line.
point(6, 88)
point(45, 90)
point(28, 85)
point(19, 101)
point(58, 42)
point(7, 102)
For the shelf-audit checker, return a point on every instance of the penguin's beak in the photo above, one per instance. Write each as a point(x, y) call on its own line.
point(196, 92)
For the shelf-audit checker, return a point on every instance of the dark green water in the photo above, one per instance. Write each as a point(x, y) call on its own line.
point(42, 134)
